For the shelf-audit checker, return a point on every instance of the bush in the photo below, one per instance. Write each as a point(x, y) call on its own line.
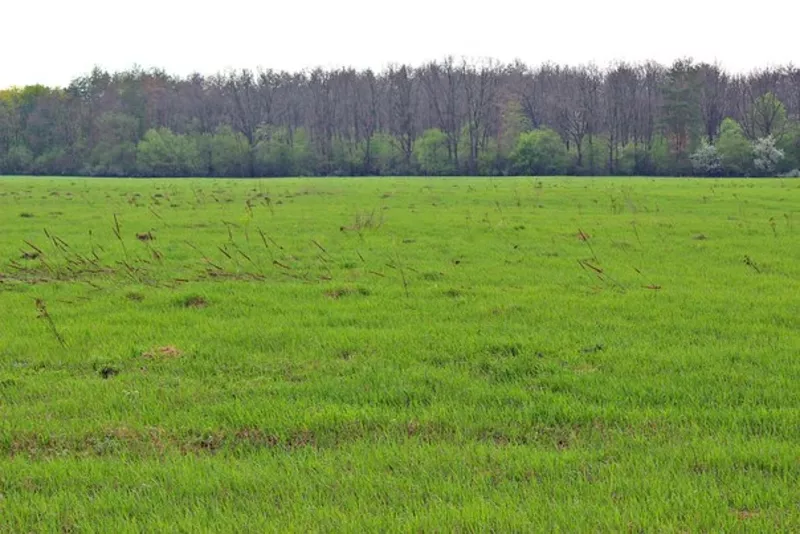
point(163, 153)
point(766, 156)
point(432, 153)
point(224, 153)
point(706, 161)
point(18, 160)
point(735, 152)
point(540, 152)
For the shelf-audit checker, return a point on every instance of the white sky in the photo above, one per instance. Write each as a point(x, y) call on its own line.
point(53, 41)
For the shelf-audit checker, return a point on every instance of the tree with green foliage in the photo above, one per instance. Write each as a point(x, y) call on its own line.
point(283, 152)
point(56, 160)
point(681, 114)
point(115, 152)
point(387, 154)
point(163, 153)
point(491, 160)
point(513, 122)
point(765, 118)
point(346, 158)
point(540, 152)
point(18, 160)
point(433, 153)
point(8, 128)
point(735, 151)
point(223, 153)
point(304, 158)
point(655, 160)
point(789, 143)
point(593, 153)
point(273, 152)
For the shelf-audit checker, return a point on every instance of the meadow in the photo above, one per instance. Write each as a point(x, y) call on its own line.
point(399, 354)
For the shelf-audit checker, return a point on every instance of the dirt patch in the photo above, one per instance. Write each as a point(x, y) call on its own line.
point(744, 515)
point(256, 437)
point(194, 301)
point(342, 292)
point(108, 372)
point(336, 294)
point(135, 297)
point(584, 369)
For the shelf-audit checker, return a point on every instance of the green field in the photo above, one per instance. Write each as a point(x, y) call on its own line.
point(597, 355)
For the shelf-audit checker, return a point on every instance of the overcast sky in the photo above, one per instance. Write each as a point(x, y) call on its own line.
point(53, 41)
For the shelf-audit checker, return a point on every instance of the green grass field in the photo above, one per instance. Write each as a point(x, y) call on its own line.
point(354, 355)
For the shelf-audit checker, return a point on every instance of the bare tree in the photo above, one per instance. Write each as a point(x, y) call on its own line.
point(621, 89)
point(713, 96)
point(444, 84)
point(480, 90)
point(245, 106)
point(403, 108)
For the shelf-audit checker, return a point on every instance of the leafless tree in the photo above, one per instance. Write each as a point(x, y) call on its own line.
point(444, 86)
point(480, 91)
point(713, 98)
point(403, 101)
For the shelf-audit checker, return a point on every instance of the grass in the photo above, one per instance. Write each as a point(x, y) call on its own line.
point(399, 354)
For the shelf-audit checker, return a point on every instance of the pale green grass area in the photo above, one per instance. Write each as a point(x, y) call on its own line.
point(400, 354)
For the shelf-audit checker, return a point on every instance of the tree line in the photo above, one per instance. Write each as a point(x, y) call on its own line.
point(449, 117)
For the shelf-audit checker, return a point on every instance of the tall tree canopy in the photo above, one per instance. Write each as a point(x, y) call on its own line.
point(447, 117)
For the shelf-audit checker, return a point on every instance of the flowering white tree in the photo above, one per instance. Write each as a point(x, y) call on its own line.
point(706, 161)
point(766, 156)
